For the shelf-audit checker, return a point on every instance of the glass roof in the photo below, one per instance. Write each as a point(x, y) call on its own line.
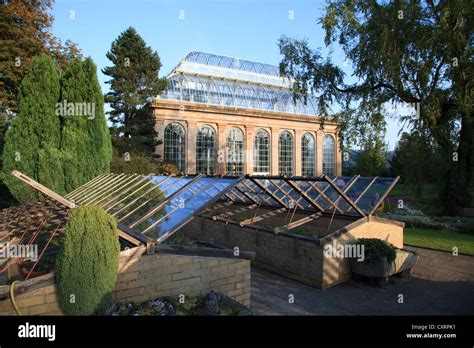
point(231, 63)
point(149, 205)
point(220, 80)
point(232, 93)
point(342, 195)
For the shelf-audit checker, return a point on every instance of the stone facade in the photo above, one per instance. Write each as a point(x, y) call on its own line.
point(221, 118)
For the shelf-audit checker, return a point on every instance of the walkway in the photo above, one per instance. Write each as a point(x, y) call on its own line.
point(432, 290)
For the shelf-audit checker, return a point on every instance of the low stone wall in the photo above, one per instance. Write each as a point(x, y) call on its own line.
point(297, 257)
point(338, 270)
point(144, 277)
point(40, 299)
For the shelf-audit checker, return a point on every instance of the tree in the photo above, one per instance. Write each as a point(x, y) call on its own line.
point(25, 32)
point(415, 160)
point(33, 140)
point(371, 160)
point(88, 261)
point(85, 139)
point(419, 53)
point(134, 80)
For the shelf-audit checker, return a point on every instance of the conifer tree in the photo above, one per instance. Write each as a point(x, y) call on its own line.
point(134, 80)
point(85, 139)
point(32, 142)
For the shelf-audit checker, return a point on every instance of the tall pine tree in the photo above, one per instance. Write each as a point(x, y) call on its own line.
point(134, 79)
point(32, 142)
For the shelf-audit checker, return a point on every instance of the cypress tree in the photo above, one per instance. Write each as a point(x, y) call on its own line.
point(85, 139)
point(32, 142)
point(98, 131)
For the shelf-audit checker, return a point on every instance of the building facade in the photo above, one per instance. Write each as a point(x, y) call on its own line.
point(222, 115)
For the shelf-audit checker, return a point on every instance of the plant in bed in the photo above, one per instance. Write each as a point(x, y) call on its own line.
point(381, 260)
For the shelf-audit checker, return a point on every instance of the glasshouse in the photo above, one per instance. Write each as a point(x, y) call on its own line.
point(216, 105)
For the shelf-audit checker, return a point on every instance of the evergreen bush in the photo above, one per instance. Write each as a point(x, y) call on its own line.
point(375, 248)
point(87, 265)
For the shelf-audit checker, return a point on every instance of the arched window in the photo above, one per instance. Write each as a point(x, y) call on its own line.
point(175, 145)
point(307, 155)
point(261, 153)
point(285, 152)
point(206, 150)
point(235, 151)
point(329, 167)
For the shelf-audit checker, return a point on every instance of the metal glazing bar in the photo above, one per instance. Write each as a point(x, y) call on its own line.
point(344, 196)
point(163, 202)
point(151, 189)
point(88, 187)
point(178, 206)
point(384, 195)
point(127, 190)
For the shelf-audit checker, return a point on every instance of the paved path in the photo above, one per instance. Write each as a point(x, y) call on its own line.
point(425, 293)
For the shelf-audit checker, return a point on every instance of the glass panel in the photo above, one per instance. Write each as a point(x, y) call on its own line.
point(262, 152)
point(184, 205)
point(308, 154)
point(175, 145)
point(285, 152)
point(329, 155)
point(235, 151)
point(206, 151)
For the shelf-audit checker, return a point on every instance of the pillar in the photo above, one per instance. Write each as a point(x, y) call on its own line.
point(319, 152)
point(274, 135)
point(248, 149)
point(297, 154)
point(190, 161)
point(221, 148)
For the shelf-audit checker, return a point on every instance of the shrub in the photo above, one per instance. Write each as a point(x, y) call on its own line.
point(375, 248)
point(141, 164)
point(86, 268)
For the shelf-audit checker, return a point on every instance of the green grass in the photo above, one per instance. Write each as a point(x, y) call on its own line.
point(302, 232)
point(440, 240)
point(405, 190)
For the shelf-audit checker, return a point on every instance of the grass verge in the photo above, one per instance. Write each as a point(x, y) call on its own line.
point(440, 240)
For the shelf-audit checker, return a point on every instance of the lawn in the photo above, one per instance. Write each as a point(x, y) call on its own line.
point(405, 190)
point(440, 240)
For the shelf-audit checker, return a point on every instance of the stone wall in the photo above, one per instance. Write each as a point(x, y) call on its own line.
point(222, 118)
point(144, 277)
point(297, 257)
point(294, 257)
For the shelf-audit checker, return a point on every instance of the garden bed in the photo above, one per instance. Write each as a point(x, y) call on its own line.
point(211, 304)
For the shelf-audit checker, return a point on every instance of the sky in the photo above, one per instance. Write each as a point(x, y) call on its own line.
point(245, 29)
